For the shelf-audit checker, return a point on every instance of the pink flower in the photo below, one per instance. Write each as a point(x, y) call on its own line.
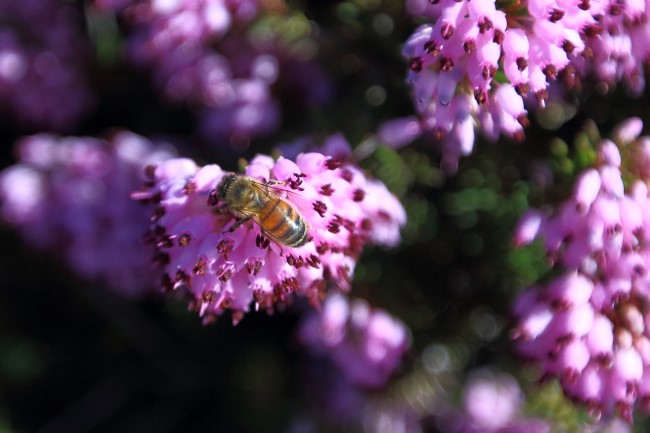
point(491, 404)
point(528, 227)
point(400, 132)
point(70, 196)
point(224, 268)
point(366, 344)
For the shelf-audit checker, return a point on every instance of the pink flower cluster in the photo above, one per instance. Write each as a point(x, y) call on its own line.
point(617, 47)
point(232, 269)
point(479, 61)
point(42, 64)
point(70, 196)
point(589, 326)
point(366, 344)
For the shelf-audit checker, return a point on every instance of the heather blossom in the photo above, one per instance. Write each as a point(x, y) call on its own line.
point(476, 63)
point(43, 57)
point(366, 344)
point(231, 269)
point(588, 326)
point(70, 196)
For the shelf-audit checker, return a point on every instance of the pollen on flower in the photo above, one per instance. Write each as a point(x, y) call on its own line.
point(250, 265)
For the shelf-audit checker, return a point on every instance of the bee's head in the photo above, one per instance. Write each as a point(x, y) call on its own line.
point(224, 185)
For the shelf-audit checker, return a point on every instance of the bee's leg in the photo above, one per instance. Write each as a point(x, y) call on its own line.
point(238, 223)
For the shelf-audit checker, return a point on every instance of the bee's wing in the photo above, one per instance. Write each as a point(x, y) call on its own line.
point(275, 190)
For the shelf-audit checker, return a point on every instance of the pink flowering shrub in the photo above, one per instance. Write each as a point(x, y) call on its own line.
point(477, 63)
point(366, 344)
point(222, 269)
point(588, 326)
point(70, 196)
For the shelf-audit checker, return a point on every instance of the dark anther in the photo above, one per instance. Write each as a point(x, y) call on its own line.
point(184, 239)
point(469, 46)
point(224, 247)
point(480, 96)
point(334, 227)
point(262, 242)
point(295, 184)
point(333, 163)
point(320, 207)
point(447, 30)
point(209, 296)
point(522, 89)
point(550, 71)
point(499, 36)
point(327, 189)
point(484, 25)
point(200, 267)
point(415, 66)
point(446, 64)
point(556, 15)
point(347, 175)
point(568, 46)
point(313, 261)
point(523, 120)
point(522, 63)
point(432, 48)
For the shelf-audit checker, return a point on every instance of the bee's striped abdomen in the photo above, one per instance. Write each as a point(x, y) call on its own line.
point(281, 222)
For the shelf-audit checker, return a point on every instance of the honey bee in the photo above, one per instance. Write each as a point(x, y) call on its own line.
point(249, 199)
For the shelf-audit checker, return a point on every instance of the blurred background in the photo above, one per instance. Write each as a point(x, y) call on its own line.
point(76, 356)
